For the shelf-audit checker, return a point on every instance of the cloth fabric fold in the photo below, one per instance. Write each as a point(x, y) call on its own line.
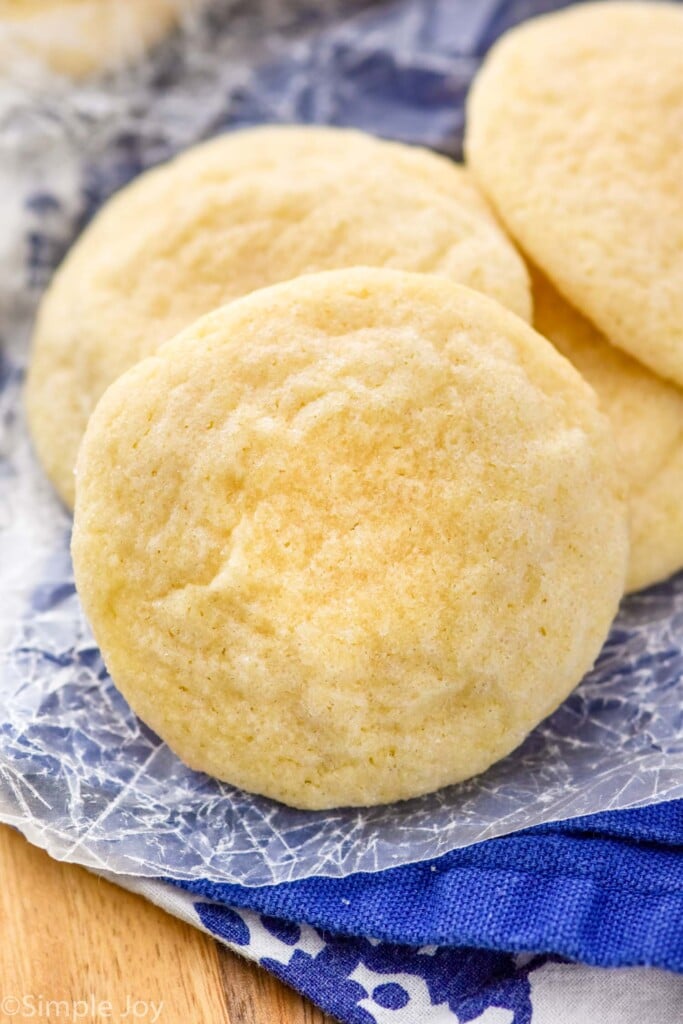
point(606, 889)
point(486, 934)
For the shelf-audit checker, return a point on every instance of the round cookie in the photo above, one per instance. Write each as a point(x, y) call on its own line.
point(240, 212)
point(574, 132)
point(82, 37)
point(348, 539)
point(646, 413)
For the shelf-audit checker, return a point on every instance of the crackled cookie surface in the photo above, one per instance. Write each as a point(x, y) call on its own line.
point(646, 413)
point(574, 131)
point(243, 211)
point(350, 538)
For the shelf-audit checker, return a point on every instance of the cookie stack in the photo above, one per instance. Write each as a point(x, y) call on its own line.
point(346, 526)
point(576, 136)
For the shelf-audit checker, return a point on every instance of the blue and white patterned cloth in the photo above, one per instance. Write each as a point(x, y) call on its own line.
point(361, 981)
point(484, 934)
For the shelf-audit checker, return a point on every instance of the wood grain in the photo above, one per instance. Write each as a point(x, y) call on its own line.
point(254, 995)
point(68, 935)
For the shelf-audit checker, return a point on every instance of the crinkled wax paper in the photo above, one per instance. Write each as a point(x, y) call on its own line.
point(79, 774)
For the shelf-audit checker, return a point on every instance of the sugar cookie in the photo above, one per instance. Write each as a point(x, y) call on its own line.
point(82, 37)
point(243, 211)
point(348, 539)
point(646, 413)
point(574, 131)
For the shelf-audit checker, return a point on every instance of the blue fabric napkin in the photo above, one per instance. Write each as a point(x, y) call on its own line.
point(605, 889)
point(484, 934)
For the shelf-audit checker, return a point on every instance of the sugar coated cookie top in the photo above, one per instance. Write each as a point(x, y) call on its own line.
point(348, 539)
point(574, 131)
point(243, 211)
point(646, 414)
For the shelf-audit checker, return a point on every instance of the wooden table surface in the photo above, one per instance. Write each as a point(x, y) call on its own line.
point(67, 935)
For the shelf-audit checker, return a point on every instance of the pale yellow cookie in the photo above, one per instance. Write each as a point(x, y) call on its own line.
point(348, 539)
point(243, 211)
point(575, 132)
point(646, 413)
point(82, 37)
